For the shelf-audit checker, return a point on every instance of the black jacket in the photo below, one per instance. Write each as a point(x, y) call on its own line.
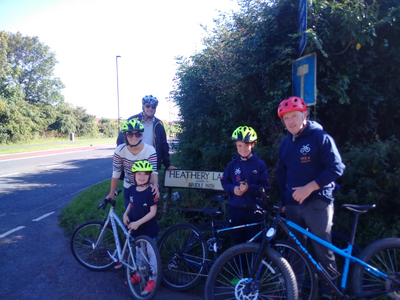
point(159, 141)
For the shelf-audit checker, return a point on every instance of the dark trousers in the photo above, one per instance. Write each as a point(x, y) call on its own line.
point(317, 217)
point(241, 216)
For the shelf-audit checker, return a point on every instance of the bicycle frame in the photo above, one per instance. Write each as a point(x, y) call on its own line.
point(115, 220)
point(216, 233)
point(346, 253)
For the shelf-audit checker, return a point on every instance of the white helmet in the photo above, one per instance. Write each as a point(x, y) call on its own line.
point(150, 99)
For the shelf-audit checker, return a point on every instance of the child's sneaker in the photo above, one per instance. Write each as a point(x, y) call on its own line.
point(118, 265)
point(149, 287)
point(136, 278)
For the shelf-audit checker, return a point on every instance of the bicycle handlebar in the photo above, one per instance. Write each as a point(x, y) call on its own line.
point(106, 201)
point(267, 204)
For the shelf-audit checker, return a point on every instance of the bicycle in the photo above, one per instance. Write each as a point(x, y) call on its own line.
point(96, 246)
point(184, 255)
point(375, 273)
point(303, 270)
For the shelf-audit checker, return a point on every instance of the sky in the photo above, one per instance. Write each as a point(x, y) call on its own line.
point(88, 35)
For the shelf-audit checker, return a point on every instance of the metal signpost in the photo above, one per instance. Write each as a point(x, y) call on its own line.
point(305, 78)
point(116, 62)
point(302, 25)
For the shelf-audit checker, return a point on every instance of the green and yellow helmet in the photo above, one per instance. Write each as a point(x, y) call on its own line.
point(142, 166)
point(244, 134)
point(132, 125)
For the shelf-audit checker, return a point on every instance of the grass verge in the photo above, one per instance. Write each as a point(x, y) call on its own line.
point(50, 144)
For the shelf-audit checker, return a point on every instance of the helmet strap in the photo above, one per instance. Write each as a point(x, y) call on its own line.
point(248, 156)
point(301, 129)
point(134, 145)
point(146, 116)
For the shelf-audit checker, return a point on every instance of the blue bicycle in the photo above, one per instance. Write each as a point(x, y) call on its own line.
point(375, 273)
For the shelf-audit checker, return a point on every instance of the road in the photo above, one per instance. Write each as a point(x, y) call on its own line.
point(35, 257)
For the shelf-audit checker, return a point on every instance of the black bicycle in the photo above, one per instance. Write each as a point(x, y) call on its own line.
point(187, 253)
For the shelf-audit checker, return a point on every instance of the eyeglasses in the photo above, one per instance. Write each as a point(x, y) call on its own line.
point(131, 134)
point(152, 106)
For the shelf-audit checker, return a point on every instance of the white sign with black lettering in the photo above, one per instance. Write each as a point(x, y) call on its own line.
point(208, 180)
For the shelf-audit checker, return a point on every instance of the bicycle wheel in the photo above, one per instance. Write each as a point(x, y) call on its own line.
point(145, 281)
point(183, 256)
point(383, 255)
point(306, 276)
point(229, 274)
point(83, 241)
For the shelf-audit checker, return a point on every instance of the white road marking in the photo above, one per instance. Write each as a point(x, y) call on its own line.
point(11, 174)
point(42, 217)
point(11, 231)
point(54, 166)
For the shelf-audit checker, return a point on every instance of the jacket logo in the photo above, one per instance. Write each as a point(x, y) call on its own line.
point(305, 149)
point(237, 171)
point(145, 204)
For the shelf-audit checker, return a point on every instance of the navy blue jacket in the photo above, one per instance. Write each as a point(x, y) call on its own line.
point(159, 141)
point(254, 171)
point(140, 203)
point(312, 155)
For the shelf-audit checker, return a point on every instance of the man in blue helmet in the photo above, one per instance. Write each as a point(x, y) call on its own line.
point(154, 132)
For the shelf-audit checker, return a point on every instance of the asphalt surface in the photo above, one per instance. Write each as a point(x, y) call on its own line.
point(36, 260)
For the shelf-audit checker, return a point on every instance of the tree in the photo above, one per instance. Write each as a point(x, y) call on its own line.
point(30, 96)
point(87, 125)
point(245, 71)
point(32, 66)
point(66, 121)
point(108, 128)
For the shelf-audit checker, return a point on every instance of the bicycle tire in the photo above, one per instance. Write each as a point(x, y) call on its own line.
point(383, 255)
point(227, 276)
point(82, 241)
point(144, 249)
point(182, 268)
point(306, 275)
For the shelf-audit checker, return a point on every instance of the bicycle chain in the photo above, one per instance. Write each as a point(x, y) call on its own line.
point(189, 273)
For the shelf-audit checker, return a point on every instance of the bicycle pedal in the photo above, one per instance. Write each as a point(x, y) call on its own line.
point(332, 274)
point(172, 265)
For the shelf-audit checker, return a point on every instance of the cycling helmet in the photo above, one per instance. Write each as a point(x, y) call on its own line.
point(244, 134)
point(142, 166)
point(132, 125)
point(291, 104)
point(150, 99)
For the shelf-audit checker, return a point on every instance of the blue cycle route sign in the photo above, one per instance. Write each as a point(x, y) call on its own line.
point(302, 25)
point(305, 78)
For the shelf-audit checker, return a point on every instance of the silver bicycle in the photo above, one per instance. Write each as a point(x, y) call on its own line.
point(96, 245)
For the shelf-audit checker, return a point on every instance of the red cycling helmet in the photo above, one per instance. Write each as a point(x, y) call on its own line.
point(291, 104)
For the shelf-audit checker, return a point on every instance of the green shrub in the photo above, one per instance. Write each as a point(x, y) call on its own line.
point(371, 177)
point(84, 207)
